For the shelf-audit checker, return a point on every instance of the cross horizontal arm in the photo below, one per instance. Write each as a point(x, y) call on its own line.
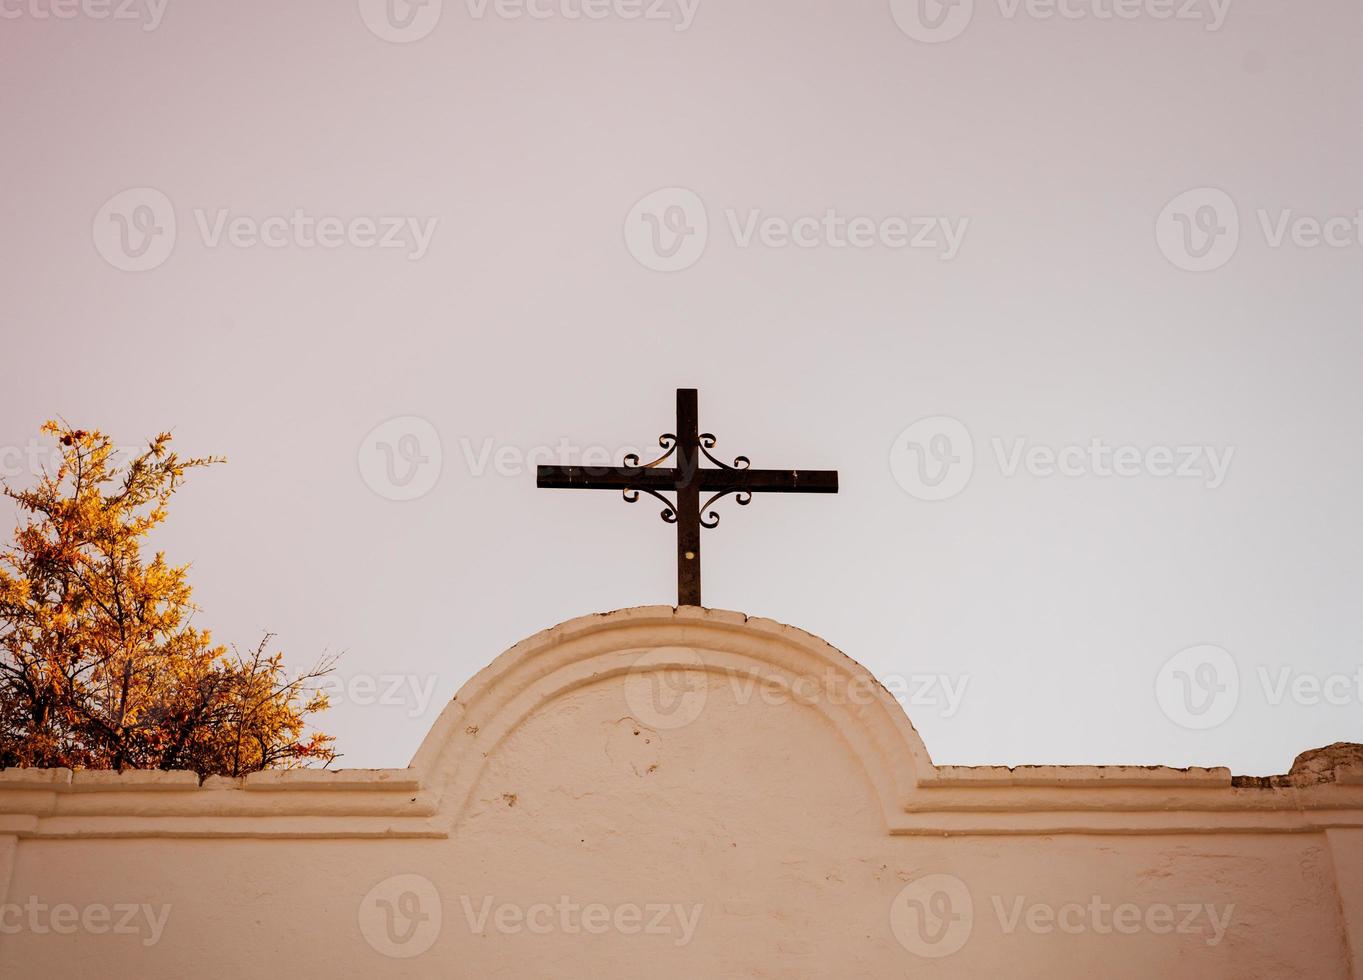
point(642, 478)
point(770, 481)
point(605, 478)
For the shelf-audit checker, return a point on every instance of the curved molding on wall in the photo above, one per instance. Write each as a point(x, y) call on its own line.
point(427, 798)
point(652, 638)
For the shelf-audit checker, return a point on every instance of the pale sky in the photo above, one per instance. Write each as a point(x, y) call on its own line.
point(1107, 264)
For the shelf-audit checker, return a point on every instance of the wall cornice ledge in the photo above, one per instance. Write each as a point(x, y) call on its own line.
point(916, 796)
point(1076, 776)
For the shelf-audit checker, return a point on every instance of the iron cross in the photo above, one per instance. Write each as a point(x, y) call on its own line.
point(688, 480)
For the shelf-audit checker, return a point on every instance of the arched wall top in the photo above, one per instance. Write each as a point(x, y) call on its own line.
point(632, 642)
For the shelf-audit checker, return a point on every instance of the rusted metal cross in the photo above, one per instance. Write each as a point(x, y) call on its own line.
point(688, 480)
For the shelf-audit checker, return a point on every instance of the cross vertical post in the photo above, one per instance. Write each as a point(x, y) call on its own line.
point(688, 498)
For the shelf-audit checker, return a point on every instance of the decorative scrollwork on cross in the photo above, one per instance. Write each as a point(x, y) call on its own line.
point(708, 441)
point(710, 518)
point(667, 440)
point(669, 513)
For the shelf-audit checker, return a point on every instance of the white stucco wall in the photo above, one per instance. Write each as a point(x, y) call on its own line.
point(686, 793)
